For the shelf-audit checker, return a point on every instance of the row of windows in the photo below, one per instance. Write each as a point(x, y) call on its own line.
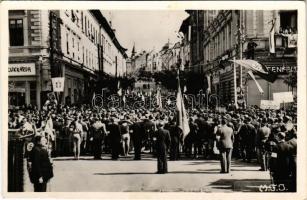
point(91, 31)
point(73, 49)
point(82, 20)
point(219, 43)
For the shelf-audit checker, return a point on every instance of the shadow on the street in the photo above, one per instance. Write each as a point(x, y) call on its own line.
point(244, 185)
point(73, 159)
point(223, 188)
point(251, 170)
point(202, 162)
point(125, 173)
point(152, 173)
point(194, 172)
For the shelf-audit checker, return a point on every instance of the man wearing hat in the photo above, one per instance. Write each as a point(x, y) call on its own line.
point(225, 140)
point(163, 142)
point(247, 134)
point(281, 169)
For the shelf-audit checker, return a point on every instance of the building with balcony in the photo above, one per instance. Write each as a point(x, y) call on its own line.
point(245, 35)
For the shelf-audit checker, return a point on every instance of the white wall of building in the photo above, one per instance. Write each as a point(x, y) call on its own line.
point(79, 38)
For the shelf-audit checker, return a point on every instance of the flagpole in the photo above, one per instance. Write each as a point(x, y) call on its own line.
point(235, 81)
point(241, 46)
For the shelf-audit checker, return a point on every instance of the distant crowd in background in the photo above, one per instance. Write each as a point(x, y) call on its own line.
point(287, 30)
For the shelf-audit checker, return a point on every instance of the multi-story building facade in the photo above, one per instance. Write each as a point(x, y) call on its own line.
point(175, 56)
point(152, 61)
point(196, 39)
point(75, 44)
point(28, 56)
point(185, 30)
point(245, 35)
point(140, 60)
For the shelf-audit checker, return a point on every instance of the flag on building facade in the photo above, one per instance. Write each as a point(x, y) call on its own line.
point(272, 38)
point(209, 84)
point(182, 118)
point(257, 84)
point(94, 96)
point(124, 98)
point(58, 84)
point(159, 98)
point(185, 89)
point(119, 89)
point(258, 68)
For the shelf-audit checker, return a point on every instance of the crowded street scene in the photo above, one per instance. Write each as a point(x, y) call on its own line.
point(205, 106)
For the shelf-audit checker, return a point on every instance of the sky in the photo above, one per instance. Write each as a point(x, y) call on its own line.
point(147, 29)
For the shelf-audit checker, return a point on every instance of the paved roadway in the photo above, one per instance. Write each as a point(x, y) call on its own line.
point(127, 175)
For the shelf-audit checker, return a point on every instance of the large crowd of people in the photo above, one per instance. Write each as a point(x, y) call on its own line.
point(253, 135)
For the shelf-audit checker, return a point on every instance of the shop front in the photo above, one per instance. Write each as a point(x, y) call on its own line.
point(23, 84)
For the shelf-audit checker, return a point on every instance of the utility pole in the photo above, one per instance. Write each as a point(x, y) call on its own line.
point(241, 27)
point(235, 82)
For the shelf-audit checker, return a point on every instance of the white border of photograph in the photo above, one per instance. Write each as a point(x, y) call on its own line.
point(163, 5)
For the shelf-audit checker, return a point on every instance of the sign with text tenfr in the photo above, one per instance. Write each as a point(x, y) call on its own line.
point(283, 97)
point(268, 104)
point(58, 84)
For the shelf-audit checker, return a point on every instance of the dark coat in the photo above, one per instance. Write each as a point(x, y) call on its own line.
point(174, 132)
point(115, 133)
point(137, 134)
point(248, 134)
point(282, 169)
point(149, 127)
point(201, 128)
point(41, 165)
point(163, 141)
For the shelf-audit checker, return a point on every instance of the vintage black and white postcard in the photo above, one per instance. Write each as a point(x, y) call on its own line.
point(153, 99)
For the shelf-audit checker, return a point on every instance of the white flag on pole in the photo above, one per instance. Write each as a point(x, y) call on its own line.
point(58, 84)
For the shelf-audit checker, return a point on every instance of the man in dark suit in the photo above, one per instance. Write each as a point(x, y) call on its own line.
point(115, 139)
point(98, 133)
point(292, 143)
point(247, 134)
point(163, 142)
point(39, 165)
point(281, 171)
point(175, 132)
point(225, 139)
point(149, 129)
point(137, 138)
point(201, 134)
